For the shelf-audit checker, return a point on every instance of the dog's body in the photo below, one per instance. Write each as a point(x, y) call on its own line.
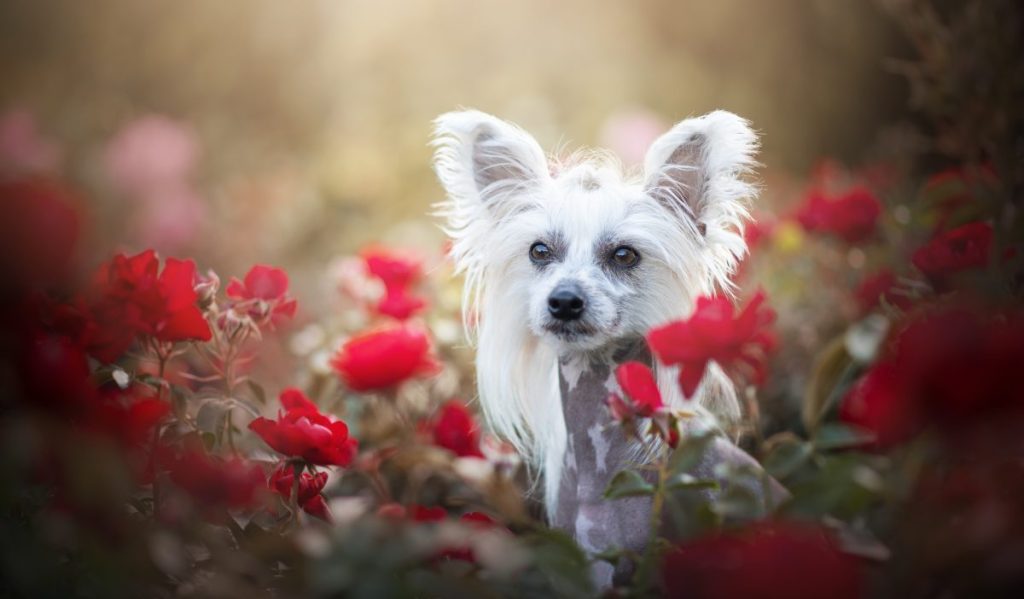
point(567, 267)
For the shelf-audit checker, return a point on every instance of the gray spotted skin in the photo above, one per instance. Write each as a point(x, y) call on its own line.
point(597, 449)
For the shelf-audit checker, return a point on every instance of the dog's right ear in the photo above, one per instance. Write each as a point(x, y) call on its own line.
point(486, 165)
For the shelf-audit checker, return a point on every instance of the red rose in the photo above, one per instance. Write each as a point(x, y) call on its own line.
point(309, 498)
point(384, 358)
point(637, 382)
point(215, 483)
point(964, 248)
point(851, 216)
point(456, 430)
point(301, 431)
point(399, 273)
point(768, 559)
point(131, 298)
point(948, 369)
point(712, 333)
point(265, 284)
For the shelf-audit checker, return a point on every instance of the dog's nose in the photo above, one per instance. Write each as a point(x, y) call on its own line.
point(565, 302)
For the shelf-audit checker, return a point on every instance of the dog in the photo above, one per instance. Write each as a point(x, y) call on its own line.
point(568, 264)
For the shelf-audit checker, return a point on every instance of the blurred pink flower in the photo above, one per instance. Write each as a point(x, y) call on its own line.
point(630, 132)
point(170, 217)
point(152, 152)
point(22, 149)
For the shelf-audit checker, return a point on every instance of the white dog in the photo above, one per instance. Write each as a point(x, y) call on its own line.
point(567, 267)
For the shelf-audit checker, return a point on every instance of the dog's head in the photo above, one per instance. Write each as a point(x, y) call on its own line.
point(582, 254)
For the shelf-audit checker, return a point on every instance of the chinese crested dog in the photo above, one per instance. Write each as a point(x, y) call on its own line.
point(568, 265)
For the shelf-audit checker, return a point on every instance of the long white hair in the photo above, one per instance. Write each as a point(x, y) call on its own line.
point(494, 172)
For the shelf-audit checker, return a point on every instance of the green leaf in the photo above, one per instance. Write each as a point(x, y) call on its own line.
point(257, 391)
point(840, 436)
point(684, 481)
point(628, 483)
point(787, 457)
point(689, 454)
point(211, 415)
point(738, 502)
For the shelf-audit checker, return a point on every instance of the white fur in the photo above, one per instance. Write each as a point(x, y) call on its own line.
point(502, 197)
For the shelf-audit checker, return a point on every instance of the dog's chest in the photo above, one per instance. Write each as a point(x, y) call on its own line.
point(596, 450)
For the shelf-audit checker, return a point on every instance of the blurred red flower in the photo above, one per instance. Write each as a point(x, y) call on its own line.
point(739, 344)
point(768, 559)
point(266, 284)
point(455, 429)
point(948, 368)
point(132, 296)
point(964, 248)
point(127, 419)
point(54, 372)
point(851, 216)
point(301, 431)
point(873, 288)
point(39, 228)
point(282, 481)
point(399, 272)
point(214, 483)
point(384, 358)
point(637, 382)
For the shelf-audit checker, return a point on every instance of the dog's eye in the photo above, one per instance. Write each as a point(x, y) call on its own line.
point(540, 252)
point(625, 256)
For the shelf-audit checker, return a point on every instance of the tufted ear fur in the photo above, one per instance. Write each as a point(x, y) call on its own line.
point(484, 164)
point(697, 171)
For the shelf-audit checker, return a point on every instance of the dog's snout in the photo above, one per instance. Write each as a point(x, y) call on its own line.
point(566, 302)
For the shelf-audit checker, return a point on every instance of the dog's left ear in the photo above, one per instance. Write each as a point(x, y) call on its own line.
point(697, 171)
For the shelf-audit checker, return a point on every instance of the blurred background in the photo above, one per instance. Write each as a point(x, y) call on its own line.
point(244, 131)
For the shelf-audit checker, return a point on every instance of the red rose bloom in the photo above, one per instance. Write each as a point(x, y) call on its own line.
point(713, 333)
point(768, 559)
point(637, 382)
point(309, 498)
point(384, 358)
point(301, 431)
point(398, 273)
point(131, 298)
point(214, 483)
point(964, 248)
point(127, 419)
point(266, 284)
point(948, 369)
point(457, 431)
point(851, 216)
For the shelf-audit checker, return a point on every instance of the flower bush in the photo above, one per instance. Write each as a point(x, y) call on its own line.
point(163, 436)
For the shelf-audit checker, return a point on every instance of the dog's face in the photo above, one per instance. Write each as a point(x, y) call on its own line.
point(589, 260)
point(583, 255)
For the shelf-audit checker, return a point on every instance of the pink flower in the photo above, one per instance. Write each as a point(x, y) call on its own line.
point(151, 153)
point(712, 333)
point(22, 149)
